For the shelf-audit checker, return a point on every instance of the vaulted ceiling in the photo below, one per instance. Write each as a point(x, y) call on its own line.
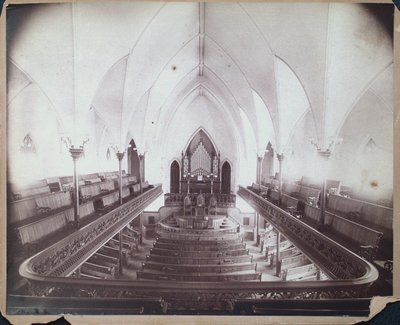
point(248, 73)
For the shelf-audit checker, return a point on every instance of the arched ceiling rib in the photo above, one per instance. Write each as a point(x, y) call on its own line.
point(262, 65)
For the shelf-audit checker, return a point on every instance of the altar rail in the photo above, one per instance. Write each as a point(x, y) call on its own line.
point(176, 199)
point(335, 260)
point(68, 254)
point(164, 228)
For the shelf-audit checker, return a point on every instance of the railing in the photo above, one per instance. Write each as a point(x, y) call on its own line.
point(352, 275)
point(162, 226)
point(335, 260)
point(67, 255)
point(176, 199)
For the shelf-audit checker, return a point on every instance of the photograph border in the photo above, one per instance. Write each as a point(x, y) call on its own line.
point(377, 304)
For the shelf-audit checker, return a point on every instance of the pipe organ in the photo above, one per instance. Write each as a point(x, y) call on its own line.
point(200, 166)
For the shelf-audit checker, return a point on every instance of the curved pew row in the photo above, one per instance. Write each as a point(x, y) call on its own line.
point(30, 232)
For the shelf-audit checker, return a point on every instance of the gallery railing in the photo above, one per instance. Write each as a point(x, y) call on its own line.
point(176, 199)
point(335, 260)
point(64, 257)
point(46, 271)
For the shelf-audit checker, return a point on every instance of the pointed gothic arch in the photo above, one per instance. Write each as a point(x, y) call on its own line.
point(174, 177)
point(133, 160)
point(226, 172)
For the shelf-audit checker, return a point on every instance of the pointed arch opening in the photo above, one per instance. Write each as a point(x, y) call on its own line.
point(267, 169)
point(133, 160)
point(226, 178)
point(174, 177)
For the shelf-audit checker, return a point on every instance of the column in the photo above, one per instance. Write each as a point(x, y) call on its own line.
point(323, 203)
point(259, 167)
point(280, 160)
point(76, 153)
point(141, 169)
point(257, 221)
point(120, 156)
point(324, 157)
point(278, 260)
point(120, 251)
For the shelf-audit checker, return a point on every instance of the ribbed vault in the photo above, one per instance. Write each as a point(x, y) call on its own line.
point(248, 73)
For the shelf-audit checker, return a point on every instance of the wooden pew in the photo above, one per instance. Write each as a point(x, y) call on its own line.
point(352, 234)
point(127, 247)
point(109, 199)
point(105, 260)
point(199, 247)
point(104, 272)
point(199, 260)
point(39, 229)
point(107, 186)
point(30, 207)
point(371, 215)
point(219, 253)
point(215, 242)
point(37, 188)
point(290, 187)
point(305, 272)
point(312, 213)
point(199, 277)
point(136, 189)
point(89, 191)
point(289, 252)
point(186, 269)
point(288, 201)
point(294, 261)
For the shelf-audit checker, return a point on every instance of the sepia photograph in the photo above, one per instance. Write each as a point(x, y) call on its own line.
point(198, 158)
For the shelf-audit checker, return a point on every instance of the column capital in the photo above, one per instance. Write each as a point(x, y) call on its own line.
point(76, 153)
point(280, 156)
point(324, 154)
point(120, 155)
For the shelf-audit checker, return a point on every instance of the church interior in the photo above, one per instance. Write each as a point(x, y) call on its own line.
point(199, 158)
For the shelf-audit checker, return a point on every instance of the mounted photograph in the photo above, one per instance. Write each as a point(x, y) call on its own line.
point(186, 158)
